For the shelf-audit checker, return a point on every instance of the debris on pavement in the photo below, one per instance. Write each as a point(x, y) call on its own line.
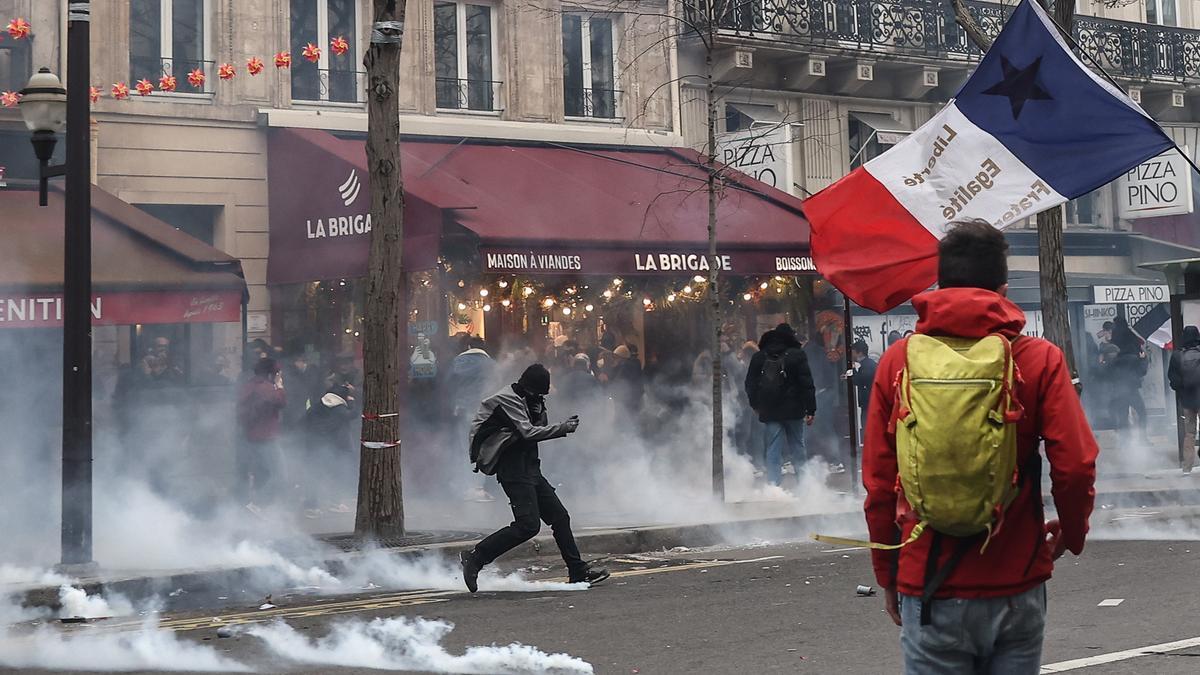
point(225, 632)
point(1111, 602)
point(176, 593)
point(864, 591)
point(267, 604)
point(680, 549)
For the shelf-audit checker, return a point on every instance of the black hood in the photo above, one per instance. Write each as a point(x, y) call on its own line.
point(1190, 338)
point(775, 341)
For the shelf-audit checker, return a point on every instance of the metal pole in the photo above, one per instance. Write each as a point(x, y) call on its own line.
point(852, 404)
point(77, 299)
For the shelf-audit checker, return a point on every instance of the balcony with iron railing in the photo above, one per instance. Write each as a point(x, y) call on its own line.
point(153, 68)
point(927, 28)
point(469, 95)
point(599, 104)
point(319, 85)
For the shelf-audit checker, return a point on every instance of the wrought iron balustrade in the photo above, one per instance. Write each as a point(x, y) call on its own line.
point(153, 68)
point(480, 95)
point(595, 103)
point(927, 28)
point(320, 85)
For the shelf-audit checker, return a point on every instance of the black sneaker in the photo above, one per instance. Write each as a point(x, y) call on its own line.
point(470, 569)
point(591, 576)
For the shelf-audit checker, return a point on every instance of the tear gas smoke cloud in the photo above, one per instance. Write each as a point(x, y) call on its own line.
point(76, 603)
point(408, 644)
point(148, 648)
point(163, 487)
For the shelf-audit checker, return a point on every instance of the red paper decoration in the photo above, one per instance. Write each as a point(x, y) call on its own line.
point(94, 94)
point(312, 52)
point(19, 28)
point(226, 71)
point(144, 87)
point(339, 45)
point(120, 91)
point(254, 66)
point(10, 99)
point(283, 60)
point(196, 78)
point(167, 83)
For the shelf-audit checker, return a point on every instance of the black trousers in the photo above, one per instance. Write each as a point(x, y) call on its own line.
point(532, 504)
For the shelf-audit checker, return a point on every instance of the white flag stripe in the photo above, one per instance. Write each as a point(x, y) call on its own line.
point(950, 170)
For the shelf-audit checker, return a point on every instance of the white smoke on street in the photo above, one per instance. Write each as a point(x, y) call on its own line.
point(76, 603)
point(433, 571)
point(148, 647)
point(408, 644)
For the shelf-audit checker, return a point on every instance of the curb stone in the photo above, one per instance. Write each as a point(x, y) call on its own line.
point(255, 581)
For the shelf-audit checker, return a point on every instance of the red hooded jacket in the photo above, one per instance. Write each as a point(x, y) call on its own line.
point(1010, 564)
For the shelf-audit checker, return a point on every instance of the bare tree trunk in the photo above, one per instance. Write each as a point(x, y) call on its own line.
point(714, 271)
point(1051, 262)
point(380, 492)
point(966, 20)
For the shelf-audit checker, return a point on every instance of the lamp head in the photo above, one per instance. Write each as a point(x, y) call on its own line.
point(44, 103)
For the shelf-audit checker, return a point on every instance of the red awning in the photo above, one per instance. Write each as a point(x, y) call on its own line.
point(143, 270)
point(544, 208)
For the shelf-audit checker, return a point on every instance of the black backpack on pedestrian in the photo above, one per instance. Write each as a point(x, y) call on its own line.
point(1189, 368)
point(773, 382)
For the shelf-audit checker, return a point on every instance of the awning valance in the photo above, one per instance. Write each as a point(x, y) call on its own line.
point(143, 270)
point(580, 210)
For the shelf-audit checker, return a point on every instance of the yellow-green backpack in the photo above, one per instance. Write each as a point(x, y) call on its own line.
point(955, 422)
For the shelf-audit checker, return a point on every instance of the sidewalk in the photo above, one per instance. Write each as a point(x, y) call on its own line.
point(746, 523)
point(439, 531)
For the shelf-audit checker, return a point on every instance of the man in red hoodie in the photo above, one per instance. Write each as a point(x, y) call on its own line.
point(988, 615)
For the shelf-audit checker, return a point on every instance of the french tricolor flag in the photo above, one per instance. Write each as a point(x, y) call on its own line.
point(1031, 129)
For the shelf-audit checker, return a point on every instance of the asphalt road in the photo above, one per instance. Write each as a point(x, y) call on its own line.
point(760, 609)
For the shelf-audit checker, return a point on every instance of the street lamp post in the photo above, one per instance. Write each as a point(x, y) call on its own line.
point(77, 271)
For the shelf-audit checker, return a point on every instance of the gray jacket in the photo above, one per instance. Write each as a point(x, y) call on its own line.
point(502, 422)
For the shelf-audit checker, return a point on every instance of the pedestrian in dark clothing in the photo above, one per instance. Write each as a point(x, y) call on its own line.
point(504, 442)
point(780, 387)
point(303, 383)
point(1184, 375)
point(579, 385)
point(626, 380)
point(332, 456)
point(1127, 371)
point(863, 377)
point(260, 412)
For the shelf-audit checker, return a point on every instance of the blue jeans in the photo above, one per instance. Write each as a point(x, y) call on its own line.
point(997, 636)
point(789, 433)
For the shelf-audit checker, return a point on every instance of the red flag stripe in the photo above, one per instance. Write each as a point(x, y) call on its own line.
point(868, 245)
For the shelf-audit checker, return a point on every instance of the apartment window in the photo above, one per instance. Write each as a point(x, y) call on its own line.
point(465, 56)
point(15, 65)
point(1162, 12)
point(167, 37)
point(333, 77)
point(589, 67)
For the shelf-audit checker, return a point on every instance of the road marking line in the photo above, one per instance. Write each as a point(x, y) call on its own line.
point(843, 550)
point(1113, 657)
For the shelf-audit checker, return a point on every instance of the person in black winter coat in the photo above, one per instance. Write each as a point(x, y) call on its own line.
point(780, 387)
point(863, 378)
point(1127, 371)
point(332, 453)
point(1184, 375)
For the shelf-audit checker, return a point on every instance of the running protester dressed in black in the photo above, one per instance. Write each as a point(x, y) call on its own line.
point(504, 443)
